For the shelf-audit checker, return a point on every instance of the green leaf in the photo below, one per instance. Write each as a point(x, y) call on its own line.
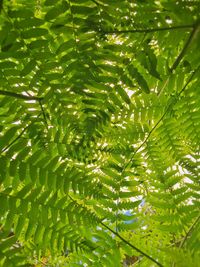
point(129, 194)
point(24, 191)
point(7, 65)
point(22, 171)
point(30, 230)
point(123, 94)
point(39, 234)
point(139, 78)
point(28, 67)
point(19, 226)
point(34, 33)
point(66, 46)
point(9, 221)
point(50, 2)
point(21, 13)
point(111, 173)
point(153, 64)
point(54, 13)
point(8, 242)
point(4, 203)
point(8, 137)
point(29, 22)
point(95, 170)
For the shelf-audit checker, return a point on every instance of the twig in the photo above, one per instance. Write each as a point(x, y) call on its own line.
point(165, 84)
point(189, 231)
point(189, 80)
point(185, 48)
point(98, 4)
point(181, 55)
point(161, 118)
point(149, 30)
point(186, 236)
point(125, 241)
point(43, 113)
point(11, 143)
point(132, 246)
point(19, 96)
point(22, 132)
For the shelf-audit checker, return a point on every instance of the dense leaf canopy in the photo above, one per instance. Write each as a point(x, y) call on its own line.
point(99, 133)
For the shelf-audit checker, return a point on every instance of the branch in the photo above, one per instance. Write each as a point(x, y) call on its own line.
point(11, 143)
point(189, 80)
point(96, 3)
point(181, 55)
point(19, 96)
point(185, 48)
point(132, 246)
point(161, 118)
point(44, 115)
point(18, 137)
point(189, 231)
point(149, 30)
point(125, 241)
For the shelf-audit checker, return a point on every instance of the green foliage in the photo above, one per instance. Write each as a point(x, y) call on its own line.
point(99, 133)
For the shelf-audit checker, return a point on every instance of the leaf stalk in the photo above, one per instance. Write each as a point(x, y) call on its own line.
point(132, 246)
point(20, 96)
point(150, 30)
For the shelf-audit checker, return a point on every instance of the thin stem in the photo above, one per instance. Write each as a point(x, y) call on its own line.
point(181, 55)
point(44, 115)
point(19, 96)
point(165, 84)
point(149, 30)
point(161, 118)
point(11, 143)
point(185, 48)
point(186, 236)
point(189, 80)
point(189, 231)
point(18, 137)
point(132, 246)
point(74, 29)
point(96, 3)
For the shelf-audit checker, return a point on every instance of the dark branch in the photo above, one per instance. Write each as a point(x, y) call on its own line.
point(189, 80)
point(96, 3)
point(185, 48)
point(43, 113)
point(161, 118)
point(18, 137)
point(132, 246)
point(19, 96)
point(149, 30)
point(189, 231)
point(181, 55)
